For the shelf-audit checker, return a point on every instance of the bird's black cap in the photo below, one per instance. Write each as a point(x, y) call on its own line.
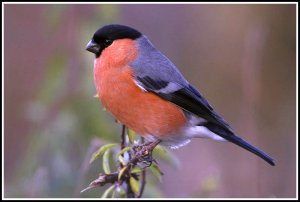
point(104, 36)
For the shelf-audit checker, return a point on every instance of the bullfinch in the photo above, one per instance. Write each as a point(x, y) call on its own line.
point(145, 91)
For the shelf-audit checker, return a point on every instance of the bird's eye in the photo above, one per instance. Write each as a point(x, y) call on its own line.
point(107, 42)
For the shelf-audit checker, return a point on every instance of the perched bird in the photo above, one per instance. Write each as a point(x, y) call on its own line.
point(145, 91)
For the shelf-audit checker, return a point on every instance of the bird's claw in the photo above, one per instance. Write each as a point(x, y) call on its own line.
point(144, 153)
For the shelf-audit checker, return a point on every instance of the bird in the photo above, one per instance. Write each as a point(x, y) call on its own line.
point(146, 92)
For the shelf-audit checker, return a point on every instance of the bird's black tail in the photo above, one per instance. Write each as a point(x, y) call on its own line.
point(230, 136)
point(242, 143)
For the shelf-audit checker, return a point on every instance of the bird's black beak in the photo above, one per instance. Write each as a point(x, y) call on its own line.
point(93, 47)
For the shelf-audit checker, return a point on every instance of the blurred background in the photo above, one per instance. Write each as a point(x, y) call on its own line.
point(241, 57)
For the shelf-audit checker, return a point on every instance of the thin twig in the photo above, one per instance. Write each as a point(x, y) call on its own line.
point(122, 141)
point(129, 192)
point(102, 180)
point(123, 137)
point(143, 177)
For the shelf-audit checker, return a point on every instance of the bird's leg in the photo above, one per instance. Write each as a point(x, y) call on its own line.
point(143, 153)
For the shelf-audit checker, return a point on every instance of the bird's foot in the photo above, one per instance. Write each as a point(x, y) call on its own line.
point(143, 153)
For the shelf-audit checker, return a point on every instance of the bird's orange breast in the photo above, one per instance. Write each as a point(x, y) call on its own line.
point(143, 112)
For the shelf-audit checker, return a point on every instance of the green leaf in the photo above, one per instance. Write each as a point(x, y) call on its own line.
point(122, 161)
point(101, 151)
point(136, 170)
point(165, 155)
point(105, 163)
point(134, 185)
point(121, 172)
point(107, 191)
point(156, 171)
point(131, 135)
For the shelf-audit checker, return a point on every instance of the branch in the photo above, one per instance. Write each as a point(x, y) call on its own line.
point(103, 180)
point(140, 154)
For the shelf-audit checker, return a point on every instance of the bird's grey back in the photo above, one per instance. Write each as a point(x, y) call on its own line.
point(152, 63)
